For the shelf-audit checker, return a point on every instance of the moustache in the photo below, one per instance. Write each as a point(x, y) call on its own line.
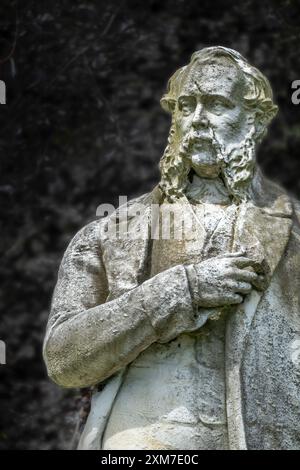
point(195, 138)
point(201, 136)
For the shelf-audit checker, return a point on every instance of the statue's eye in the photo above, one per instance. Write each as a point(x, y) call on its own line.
point(187, 106)
point(217, 105)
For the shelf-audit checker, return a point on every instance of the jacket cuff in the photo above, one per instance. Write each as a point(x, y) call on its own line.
point(168, 304)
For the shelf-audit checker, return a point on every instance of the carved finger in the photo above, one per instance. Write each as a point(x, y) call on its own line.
point(243, 262)
point(229, 298)
point(235, 299)
point(243, 275)
point(261, 283)
point(243, 287)
point(232, 255)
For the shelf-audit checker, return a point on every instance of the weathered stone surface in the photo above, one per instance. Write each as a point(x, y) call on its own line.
point(195, 339)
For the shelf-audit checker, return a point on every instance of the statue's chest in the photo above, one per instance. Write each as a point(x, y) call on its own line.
point(175, 392)
point(200, 223)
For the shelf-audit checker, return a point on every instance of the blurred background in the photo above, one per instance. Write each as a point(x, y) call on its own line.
point(83, 125)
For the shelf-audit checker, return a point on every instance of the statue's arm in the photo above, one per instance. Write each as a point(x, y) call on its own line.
point(88, 339)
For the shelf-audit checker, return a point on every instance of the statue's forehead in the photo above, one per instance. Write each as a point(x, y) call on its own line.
point(212, 77)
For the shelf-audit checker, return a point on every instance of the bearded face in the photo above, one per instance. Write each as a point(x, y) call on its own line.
point(212, 130)
point(210, 116)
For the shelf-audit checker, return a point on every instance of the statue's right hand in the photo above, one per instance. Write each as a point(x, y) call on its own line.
point(222, 280)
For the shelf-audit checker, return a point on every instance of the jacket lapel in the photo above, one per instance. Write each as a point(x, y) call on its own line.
point(264, 233)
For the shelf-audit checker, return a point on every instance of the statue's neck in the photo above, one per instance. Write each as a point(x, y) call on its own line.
point(207, 190)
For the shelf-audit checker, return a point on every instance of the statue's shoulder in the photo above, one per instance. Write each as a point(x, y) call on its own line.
point(85, 241)
point(91, 235)
point(145, 200)
point(134, 207)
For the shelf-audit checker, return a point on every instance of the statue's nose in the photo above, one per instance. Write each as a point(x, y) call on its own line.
point(200, 118)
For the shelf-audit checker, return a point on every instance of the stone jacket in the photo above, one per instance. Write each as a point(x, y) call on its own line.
point(106, 311)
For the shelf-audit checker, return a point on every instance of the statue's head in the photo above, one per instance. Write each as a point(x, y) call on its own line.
point(221, 107)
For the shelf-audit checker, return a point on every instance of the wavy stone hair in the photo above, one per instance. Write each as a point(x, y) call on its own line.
point(239, 163)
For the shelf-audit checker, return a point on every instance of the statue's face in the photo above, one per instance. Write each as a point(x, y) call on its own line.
point(210, 108)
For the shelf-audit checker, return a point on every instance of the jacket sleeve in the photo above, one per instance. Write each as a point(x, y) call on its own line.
point(87, 339)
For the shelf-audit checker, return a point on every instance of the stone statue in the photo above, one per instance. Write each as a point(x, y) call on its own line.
point(190, 342)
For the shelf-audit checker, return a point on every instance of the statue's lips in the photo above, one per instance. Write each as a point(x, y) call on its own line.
point(198, 141)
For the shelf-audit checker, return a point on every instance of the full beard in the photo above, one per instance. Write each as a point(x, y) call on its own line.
point(235, 164)
point(200, 150)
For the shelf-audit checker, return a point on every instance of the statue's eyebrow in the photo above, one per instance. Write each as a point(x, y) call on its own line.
point(221, 97)
point(186, 97)
point(205, 96)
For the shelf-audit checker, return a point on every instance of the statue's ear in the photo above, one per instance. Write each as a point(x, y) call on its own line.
point(168, 104)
